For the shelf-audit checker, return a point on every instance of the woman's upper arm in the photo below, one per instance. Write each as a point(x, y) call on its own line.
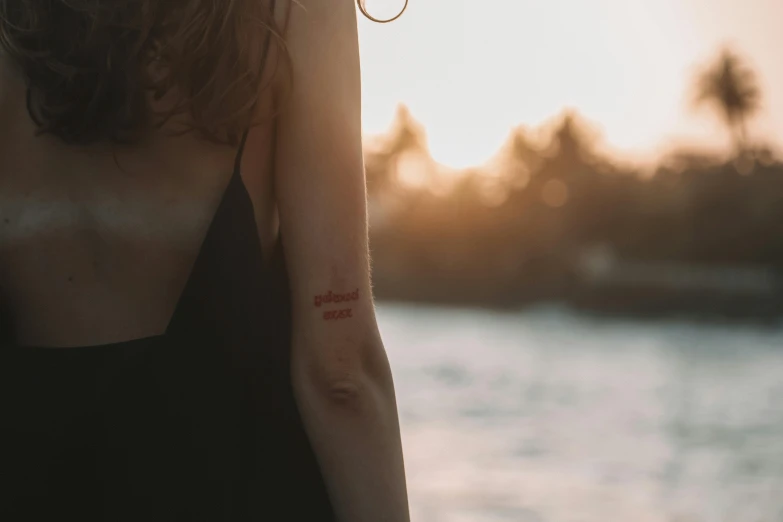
point(320, 187)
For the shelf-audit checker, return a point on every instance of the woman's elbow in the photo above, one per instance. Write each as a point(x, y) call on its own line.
point(351, 383)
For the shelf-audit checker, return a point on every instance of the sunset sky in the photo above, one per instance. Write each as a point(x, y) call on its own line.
point(470, 70)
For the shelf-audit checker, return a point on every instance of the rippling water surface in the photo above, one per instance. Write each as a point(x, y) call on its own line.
point(546, 416)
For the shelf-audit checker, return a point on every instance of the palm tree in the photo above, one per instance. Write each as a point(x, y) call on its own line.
point(731, 86)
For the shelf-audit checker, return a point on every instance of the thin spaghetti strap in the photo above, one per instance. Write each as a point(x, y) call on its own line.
point(240, 150)
point(264, 55)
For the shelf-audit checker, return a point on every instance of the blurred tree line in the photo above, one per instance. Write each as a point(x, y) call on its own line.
point(515, 232)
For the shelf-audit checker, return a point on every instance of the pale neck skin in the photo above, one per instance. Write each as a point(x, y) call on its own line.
point(85, 245)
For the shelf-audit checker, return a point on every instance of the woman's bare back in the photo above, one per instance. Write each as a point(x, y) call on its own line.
point(96, 246)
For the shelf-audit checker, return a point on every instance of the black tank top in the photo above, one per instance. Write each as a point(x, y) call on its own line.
point(197, 424)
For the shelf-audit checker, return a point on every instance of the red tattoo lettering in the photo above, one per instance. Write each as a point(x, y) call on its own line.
point(334, 315)
point(329, 297)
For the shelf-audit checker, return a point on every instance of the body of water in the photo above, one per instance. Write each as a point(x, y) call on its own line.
point(547, 416)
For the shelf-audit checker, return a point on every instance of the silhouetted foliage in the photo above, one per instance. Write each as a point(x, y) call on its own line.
point(731, 87)
point(526, 231)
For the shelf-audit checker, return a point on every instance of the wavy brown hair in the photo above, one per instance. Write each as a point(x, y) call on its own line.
point(92, 65)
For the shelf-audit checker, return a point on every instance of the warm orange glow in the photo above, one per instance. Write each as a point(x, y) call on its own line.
point(555, 193)
point(493, 194)
point(471, 70)
point(413, 170)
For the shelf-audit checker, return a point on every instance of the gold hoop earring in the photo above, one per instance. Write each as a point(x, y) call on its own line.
point(367, 15)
